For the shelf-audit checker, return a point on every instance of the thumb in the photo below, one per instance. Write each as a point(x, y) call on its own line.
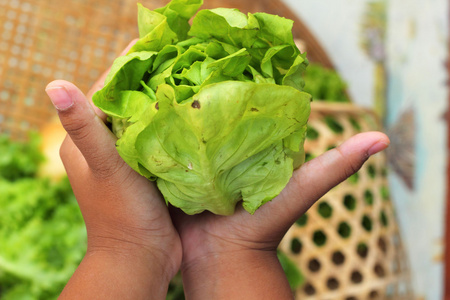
point(316, 177)
point(86, 130)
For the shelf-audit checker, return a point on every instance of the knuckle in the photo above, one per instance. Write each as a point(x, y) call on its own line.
point(77, 129)
point(351, 166)
point(106, 167)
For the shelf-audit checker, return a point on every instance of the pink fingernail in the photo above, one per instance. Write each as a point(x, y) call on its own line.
point(60, 97)
point(377, 147)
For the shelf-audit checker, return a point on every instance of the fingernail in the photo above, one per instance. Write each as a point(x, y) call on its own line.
point(60, 97)
point(377, 147)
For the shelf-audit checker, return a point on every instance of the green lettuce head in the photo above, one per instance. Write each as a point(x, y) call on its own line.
point(214, 112)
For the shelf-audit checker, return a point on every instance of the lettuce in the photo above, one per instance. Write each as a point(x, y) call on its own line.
point(216, 112)
point(42, 233)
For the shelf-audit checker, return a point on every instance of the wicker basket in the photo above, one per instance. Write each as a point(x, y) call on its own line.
point(348, 244)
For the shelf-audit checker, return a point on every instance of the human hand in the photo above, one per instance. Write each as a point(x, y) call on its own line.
point(133, 248)
point(234, 257)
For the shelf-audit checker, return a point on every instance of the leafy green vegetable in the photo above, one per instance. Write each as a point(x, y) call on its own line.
point(42, 233)
point(216, 112)
point(293, 274)
point(18, 160)
point(325, 85)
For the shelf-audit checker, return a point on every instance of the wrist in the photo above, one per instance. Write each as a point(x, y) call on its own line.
point(160, 249)
point(239, 274)
point(142, 263)
point(107, 274)
point(143, 258)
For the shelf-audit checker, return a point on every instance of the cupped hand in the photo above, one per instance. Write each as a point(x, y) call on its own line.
point(131, 239)
point(213, 243)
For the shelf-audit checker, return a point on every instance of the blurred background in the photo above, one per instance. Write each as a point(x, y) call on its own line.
point(375, 65)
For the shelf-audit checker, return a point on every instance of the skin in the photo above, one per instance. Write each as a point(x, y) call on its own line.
point(136, 244)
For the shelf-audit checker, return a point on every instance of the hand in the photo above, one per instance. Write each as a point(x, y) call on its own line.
point(133, 248)
point(235, 257)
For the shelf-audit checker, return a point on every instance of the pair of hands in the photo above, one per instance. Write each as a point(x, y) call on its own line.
point(136, 244)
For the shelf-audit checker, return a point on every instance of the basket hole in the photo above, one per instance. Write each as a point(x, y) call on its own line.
point(309, 156)
point(362, 249)
point(332, 283)
point(356, 277)
point(384, 191)
point(350, 202)
point(319, 238)
point(331, 147)
point(309, 289)
point(396, 239)
point(344, 230)
point(366, 223)
point(296, 246)
point(24, 125)
point(355, 124)
point(29, 101)
point(379, 271)
point(368, 197)
point(312, 134)
point(382, 244)
point(374, 295)
point(4, 95)
point(325, 210)
point(11, 14)
point(314, 265)
point(372, 171)
point(338, 258)
point(13, 62)
point(94, 73)
point(403, 288)
point(6, 35)
point(26, 7)
point(395, 267)
point(334, 125)
point(354, 178)
point(384, 219)
point(302, 220)
point(391, 289)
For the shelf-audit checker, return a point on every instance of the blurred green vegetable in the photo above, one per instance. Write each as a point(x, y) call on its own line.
point(325, 84)
point(293, 273)
point(19, 160)
point(215, 113)
point(42, 234)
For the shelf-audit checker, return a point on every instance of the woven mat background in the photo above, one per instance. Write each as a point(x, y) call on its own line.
point(76, 40)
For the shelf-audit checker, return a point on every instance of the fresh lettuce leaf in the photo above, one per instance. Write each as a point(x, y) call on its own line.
point(214, 112)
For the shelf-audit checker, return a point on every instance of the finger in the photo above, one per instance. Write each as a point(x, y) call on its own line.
point(316, 177)
point(86, 130)
point(100, 83)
